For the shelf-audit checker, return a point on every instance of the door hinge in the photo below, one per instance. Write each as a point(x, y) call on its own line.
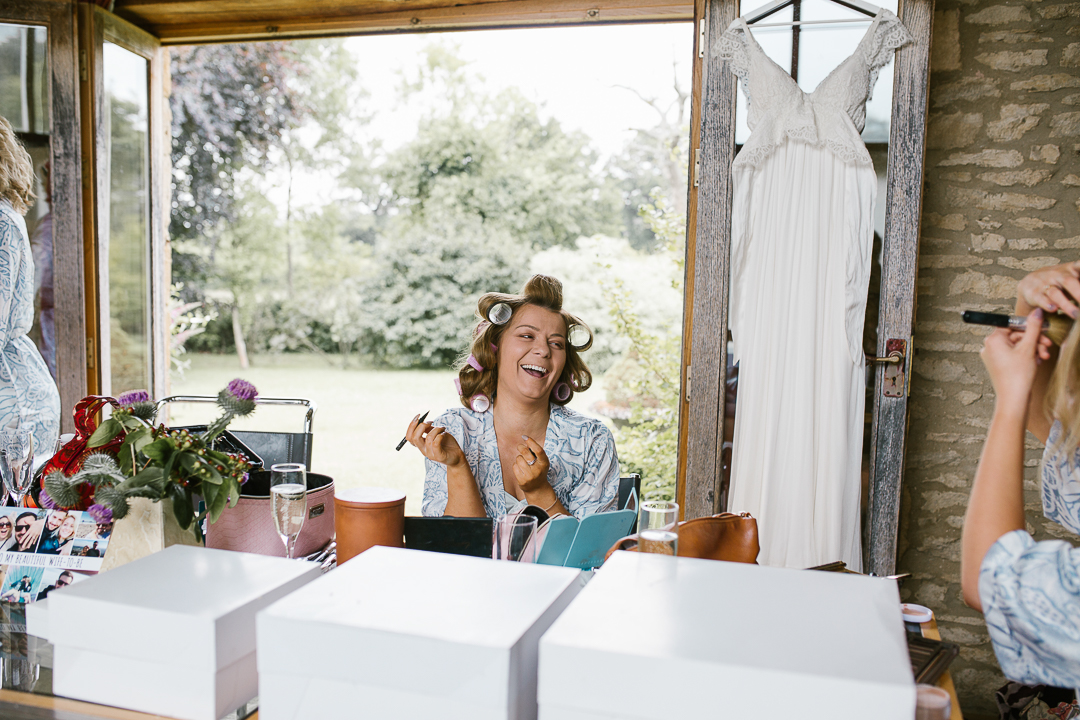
point(687, 383)
point(90, 353)
point(701, 38)
point(83, 73)
point(697, 167)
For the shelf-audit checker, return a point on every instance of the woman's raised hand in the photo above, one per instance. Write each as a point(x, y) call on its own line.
point(530, 465)
point(1011, 358)
point(1051, 288)
point(435, 443)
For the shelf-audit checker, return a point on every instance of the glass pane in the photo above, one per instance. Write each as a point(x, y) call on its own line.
point(24, 102)
point(24, 73)
point(124, 221)
point(821, 48)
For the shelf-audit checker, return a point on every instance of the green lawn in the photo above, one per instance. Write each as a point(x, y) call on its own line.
point(362, 414)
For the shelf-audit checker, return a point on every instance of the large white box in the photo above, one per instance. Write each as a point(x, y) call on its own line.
point(398, 634)
point(172, 633)
point(659, 637)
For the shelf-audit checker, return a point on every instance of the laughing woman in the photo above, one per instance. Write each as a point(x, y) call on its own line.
point(514, 441)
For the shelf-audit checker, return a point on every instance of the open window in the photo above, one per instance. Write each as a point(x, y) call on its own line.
point(125, 135)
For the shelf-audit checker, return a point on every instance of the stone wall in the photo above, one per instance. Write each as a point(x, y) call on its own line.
point(1001, 199)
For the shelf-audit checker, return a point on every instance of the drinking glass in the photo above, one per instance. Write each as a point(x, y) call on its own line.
point(658, 527)
point(16, 460)
point(511, 536)
point(288, 501)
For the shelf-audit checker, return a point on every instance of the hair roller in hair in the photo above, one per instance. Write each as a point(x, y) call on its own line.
point(579, 336)
point(472, 362)
point(479, 403)
point(457, 386)
point(561, 392)
point(499, 314)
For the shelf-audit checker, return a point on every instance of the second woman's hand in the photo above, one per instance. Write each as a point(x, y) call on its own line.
point(1011, 359)
point(1054, 288)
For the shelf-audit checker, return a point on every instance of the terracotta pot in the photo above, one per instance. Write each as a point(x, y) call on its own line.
point(364, 517)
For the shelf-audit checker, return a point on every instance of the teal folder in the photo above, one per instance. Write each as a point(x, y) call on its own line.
point(583, 544)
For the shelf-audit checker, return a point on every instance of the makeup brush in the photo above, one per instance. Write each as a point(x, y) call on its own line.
point(1056, 326)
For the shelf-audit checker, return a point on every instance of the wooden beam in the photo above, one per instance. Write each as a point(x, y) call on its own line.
point(696, 84)
point(204, 25)
point(900, 260)
point(705, 416)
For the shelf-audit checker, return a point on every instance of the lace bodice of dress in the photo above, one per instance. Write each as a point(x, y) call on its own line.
point(832, 115)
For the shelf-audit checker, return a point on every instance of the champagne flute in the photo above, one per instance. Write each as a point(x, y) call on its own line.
point(658, 527)
point(288, 501)
point(16, 460)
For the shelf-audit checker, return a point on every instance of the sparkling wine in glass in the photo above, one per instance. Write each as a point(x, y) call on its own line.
point(16, 460)
point(658, 527)
point(288, 501)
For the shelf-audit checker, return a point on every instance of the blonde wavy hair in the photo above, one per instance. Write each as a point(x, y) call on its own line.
point(542, 291)
point(16, 170)
point(1062, 392)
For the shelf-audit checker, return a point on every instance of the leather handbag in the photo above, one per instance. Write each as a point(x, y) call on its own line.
point(249, 527)
point(726, 536)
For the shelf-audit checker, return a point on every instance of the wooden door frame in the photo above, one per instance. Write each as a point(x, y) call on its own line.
point(58, 17)
point(97, 26)
point(705, 320)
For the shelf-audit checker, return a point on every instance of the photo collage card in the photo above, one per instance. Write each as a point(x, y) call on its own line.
point(41, 550)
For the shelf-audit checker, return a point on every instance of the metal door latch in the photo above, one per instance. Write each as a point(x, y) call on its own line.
point(895, 377)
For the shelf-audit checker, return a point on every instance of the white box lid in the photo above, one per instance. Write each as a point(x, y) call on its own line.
point(390, 616)
point(189, 604)
point(704, 630)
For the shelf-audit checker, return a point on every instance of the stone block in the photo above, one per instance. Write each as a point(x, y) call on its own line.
point(1070, 56)
point(956, 176)
point(1048, 154)
point(1057, 12)
point(1071, 99)
point(975, 283)
point(1067, 243)
point(955, 130)
point(1027, 264)
point(987, 241)
point(1016, 121)
point(1065, 125)
point(1027, 244)
point(945, 52)
point(988, 223)
point(947, 222)
point(1046, 83)
point(1030, 223)
point(951, 261)
point(1071, 181)
point(1009, 201)
point(966, 397)
point(968, 88)
point(1008, 178)
point(1013, 61)
point(999, 15)
point(986, 158)
point(1011, 37)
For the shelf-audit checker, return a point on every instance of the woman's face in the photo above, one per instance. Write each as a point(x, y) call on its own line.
point(5, 527)
point(67, 528)
point(532, 353)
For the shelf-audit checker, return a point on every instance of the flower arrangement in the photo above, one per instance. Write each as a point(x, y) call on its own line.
point(156, 462)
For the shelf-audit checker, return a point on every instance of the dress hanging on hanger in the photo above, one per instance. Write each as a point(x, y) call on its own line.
point(801, 238)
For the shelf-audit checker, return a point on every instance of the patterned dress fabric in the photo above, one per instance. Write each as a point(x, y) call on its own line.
point(583, 472)
point(1030, 591)
point(801, 238)
point(27, 390)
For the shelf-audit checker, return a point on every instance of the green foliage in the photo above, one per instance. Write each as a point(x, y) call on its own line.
point(420, 308)
point(647, 377)
point(158, 463)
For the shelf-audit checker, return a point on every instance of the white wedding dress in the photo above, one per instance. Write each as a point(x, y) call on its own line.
point(801, 240)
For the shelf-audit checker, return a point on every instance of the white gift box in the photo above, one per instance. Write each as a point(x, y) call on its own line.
point(172, 633)
point(398, 634)
point(654, 636)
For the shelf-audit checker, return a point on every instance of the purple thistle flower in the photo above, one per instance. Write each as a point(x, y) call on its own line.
point(131, 397)
point(101, 513)
point(47, 502)
point(242, 389)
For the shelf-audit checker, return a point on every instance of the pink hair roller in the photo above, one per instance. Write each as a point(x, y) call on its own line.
point(561, 392)
point(474, 363)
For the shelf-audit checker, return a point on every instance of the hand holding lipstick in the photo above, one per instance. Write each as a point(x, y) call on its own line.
point(435, 443)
